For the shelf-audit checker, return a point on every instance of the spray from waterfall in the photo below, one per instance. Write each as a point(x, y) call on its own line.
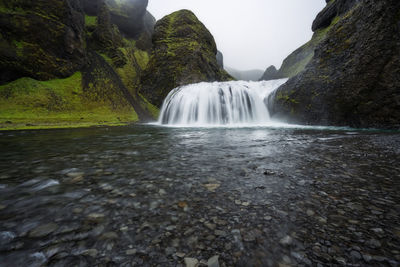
point(219, 103)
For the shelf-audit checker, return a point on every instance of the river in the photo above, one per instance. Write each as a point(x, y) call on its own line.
point(148, 195)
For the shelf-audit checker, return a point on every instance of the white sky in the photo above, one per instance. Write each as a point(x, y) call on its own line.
point(252, 34)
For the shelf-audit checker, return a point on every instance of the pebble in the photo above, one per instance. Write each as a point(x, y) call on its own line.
point(310, 212)
point(210, 226)
point(180, 254)
point(43, 230)
point(130, 252)
point(213, 261)
point(191, 262)
point(286, 241)
point(96, 217)
point(267, 218)
point(109, 235)
point(212, 187)
point(90, 252)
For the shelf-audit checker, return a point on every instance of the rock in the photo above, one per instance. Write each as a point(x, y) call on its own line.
point(43, 230)
point(96, 217)
point(349, 81)
point(109, 236)
point(210, 226)
point(213, 261)
point(184, 53)
point(191, 262)
point(286, 241)
point(271, 73)
point(332, 10)
point(212, 187)
point(373, 243)
point(310, 212)
point(355, 255)
point(220, 59)
point(90, 252)
point(130, 252)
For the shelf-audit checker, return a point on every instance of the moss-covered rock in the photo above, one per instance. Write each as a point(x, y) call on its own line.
point(42, 39)
point(184, 52)
point(49, 40)
point(353, 78)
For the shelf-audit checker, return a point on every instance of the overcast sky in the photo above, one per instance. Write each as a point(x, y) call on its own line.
point(252, 34)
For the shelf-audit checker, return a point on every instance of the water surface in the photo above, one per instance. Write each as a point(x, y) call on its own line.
point(151, 196)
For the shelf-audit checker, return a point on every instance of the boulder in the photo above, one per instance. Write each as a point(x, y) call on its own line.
point(184, 52)
point(353, 78)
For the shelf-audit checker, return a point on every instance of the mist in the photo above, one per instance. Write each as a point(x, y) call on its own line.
point(252, 34)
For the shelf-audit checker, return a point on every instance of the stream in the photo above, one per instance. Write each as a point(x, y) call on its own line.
point(146, 195)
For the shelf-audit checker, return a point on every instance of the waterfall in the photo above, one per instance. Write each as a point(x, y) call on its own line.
point(218, 103)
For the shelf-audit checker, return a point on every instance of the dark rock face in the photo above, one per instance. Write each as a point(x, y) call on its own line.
point(353, 78)
point(91, 7)
point(333, 9)
point(184, 52)
point(131, 17)
point(271, 73)
point(220, 59)
point(28, 48)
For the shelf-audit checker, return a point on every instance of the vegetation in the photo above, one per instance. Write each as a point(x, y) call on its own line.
point(28, 103)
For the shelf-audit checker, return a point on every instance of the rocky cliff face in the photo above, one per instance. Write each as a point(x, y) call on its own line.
point(353, 78)
point(41, 40)
point(44, 42)
point(184, 52)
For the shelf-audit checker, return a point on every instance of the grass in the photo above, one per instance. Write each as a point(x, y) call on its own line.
point(30, 104)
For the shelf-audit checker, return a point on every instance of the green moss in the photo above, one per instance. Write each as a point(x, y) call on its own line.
point(90, 20)
point(55, 103)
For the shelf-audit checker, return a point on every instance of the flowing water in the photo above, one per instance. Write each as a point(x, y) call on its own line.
point(237, 103)
point(149, 195)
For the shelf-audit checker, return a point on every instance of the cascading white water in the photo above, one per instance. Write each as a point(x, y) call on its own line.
point(218, 103)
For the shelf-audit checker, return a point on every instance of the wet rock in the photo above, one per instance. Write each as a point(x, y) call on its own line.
point(355, 255)
point(310, 212)
point(191, 262)
point(96, 217)
point(43, 230)
point(109, 235)
point(212, 187)
point(90, 252)
point(180, 254)
point(286, 241)
point(213, 261)
point(252, 235)
point(269, 172)
point(169, 251)
point(210, 226)
point(267, 218)
point(373, 243)
point(130, 252)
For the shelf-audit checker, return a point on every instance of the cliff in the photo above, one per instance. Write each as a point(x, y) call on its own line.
point(184, 52)
point(69, 62)
point(352, 80)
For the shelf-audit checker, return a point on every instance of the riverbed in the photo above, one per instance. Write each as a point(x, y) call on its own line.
point(147, 195)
